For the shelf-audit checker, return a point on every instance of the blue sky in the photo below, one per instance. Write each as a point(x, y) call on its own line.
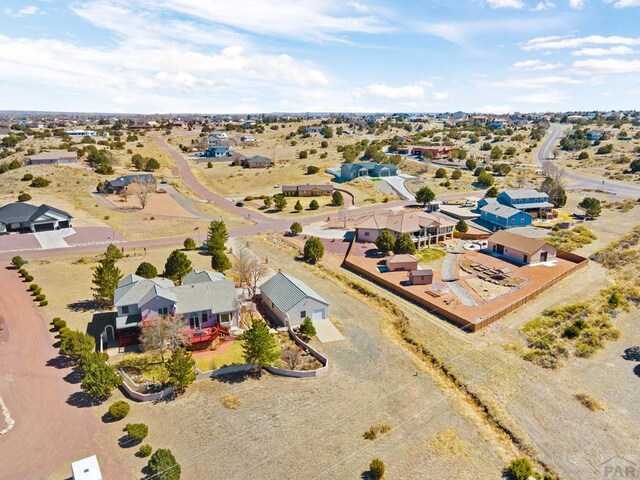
point(243, 56)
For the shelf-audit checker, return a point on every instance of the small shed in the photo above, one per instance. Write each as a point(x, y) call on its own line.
point(86, 469)
point(402, 263)
point(421, 277)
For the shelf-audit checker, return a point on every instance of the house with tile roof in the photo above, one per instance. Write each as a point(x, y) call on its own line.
point(519, 248)
point(290, 300)
point(425, 229)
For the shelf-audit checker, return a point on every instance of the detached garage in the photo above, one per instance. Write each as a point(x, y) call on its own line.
point(290, 300)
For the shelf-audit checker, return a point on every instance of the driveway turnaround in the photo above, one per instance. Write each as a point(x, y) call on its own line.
point(54, 238)
point(327, 331)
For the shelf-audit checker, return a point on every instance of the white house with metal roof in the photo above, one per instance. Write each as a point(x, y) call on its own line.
point(291, 300)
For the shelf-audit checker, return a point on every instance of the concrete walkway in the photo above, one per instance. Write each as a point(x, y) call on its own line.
point(397, 183)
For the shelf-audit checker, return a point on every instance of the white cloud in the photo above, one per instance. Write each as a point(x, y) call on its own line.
point(557, 43)
point(538, 65)
point(601, 52)
point(607, 66)
point(542, 98)
point(543, 6)
point(288, 18)
point(577, 4)
point(404, 91)
point(624, 3)
point(441, 96)
point(23, 12)
point(539, 82)
point(505, 3)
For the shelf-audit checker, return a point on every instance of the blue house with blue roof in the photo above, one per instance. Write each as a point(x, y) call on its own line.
point(527, 200)
point(499, 216)
point(217, 151)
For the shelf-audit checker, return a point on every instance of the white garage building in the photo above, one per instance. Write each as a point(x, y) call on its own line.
point(291, 300)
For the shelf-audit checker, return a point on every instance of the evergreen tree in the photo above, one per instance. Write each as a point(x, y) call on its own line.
point(100, 380)
point(314, 205)
point(163, 466)
point(385, 241)
point(259, 345)
point(298, 207)
point(462, 226)
point(217, 236)
point(219, 261)
point(181, 369)
point(491, 192)
point(313, 250)
point(591, 207)
point(177, 265)
point(404, 244)
point(296, 228)
point(189, 244)
point(280, 202)
point(147, 270)
point(337, 200)
point(425, 195)
point(105, 280)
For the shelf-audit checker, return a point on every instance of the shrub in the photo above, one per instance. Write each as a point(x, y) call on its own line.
point(189, 244)
point(377, 430)
point(462, 226)
point(313, 250)
point(39, 182)
point(147, 270)
point(33, 287)
point(314, 205)
point(441, 173)
point(231, 402)
point(520, 469)
point(311, 169)
point(59, 324)
point(120, 409)
point(24, 197)
point(18, 262)
point(43, 303)
point(40, 297)
point(27, 177)
point(209, 165)
point(28, 278)
point(37, 291)
point(145, 450)
point(296, 228)
point(457, 174)
point(376, 468)
point(137, 431)
point(588, 402)
point(307, 328)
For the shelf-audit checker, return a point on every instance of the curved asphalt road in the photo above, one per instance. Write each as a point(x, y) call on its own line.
point(555, 133)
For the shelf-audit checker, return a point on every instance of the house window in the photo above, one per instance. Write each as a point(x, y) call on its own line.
point(163, 311)
point(522, 220)
point(125, 310)
point(366, 234)
point(225, 317)
point(303, 314)
point(194, 322)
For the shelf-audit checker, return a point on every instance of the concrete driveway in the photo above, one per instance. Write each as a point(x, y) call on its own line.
point(397, 183)
point(54, 238)
point(327, 331)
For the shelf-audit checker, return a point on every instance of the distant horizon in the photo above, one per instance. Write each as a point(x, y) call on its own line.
point(366, 56)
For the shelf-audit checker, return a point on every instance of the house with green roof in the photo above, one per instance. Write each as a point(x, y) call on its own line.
point(290, 300)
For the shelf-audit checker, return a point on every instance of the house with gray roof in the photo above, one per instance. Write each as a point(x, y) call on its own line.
point(205, 300)
point(349, 171)
point(290, 300)
point(118, 184)
point(24, 217)
point(498, 216)
point(526, 199)
point(54, 157)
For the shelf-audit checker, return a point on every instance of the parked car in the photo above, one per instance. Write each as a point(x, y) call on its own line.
point(239, 204)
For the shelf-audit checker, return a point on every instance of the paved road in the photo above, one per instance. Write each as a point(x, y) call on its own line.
point(581, 182)
point(48, 432)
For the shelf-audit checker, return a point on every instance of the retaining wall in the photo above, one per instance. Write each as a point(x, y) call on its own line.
point(302, 373)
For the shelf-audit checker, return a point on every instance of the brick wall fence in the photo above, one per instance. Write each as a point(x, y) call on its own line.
point(465, 323)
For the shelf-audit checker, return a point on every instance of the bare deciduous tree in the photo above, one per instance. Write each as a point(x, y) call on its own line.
point(292, 357)
point(162, 333)
point(249, 269)
point(144, 190)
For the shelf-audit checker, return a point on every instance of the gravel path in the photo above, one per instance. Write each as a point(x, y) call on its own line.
point(449, 275)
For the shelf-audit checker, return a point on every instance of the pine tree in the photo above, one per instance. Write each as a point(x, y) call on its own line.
point(313, 250)
point(219, 261)
point(177, 266)
point(298, 207)
point(385, 241)
point(404, 244)
point(181, 368)
point(105, 280)
point(100, 380)
point(260, 346)
point(217, 236)
point(280, 202)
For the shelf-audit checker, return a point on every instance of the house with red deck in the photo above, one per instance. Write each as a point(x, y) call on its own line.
point(206, 301)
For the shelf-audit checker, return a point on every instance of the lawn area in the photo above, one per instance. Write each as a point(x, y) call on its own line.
point(430, 254)
point(231, 355)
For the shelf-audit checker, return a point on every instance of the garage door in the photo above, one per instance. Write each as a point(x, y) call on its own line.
point(64, 224)
point(43, 227)
point(318, 314)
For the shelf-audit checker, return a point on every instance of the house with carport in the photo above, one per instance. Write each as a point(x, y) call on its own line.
point(290, 300)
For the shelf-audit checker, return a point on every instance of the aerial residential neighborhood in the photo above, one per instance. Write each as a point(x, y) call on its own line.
point(319, 240)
